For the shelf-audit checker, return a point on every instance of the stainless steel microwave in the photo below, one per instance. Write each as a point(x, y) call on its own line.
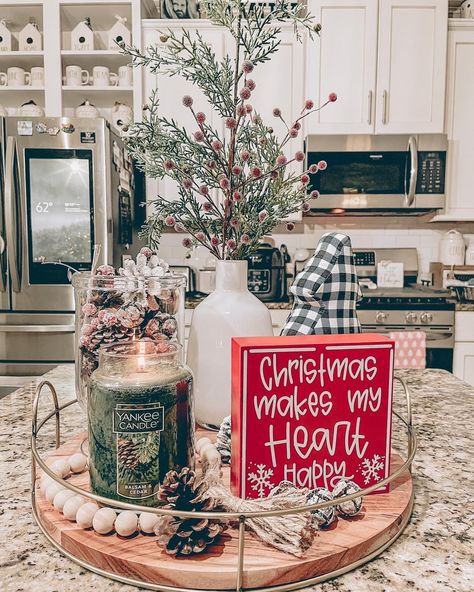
point(370, 175)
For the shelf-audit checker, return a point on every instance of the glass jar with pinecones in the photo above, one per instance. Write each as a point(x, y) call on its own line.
point(143, 300)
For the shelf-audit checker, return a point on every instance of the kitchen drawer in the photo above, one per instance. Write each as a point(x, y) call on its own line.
point(464, 326)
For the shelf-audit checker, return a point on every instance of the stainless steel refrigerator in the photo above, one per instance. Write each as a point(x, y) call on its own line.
point(66, 184)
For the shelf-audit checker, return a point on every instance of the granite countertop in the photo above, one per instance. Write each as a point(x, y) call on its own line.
point(465, 306)
point(434, 554)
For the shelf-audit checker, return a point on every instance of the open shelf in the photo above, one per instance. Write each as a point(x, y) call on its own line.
point(91, 88)
point(100, 97)
point(89, 59)
point(22, 89)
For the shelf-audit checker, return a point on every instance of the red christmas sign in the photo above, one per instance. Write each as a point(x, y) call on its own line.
point(310, 409)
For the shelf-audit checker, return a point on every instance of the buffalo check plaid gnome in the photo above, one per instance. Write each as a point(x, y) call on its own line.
point(326, 291)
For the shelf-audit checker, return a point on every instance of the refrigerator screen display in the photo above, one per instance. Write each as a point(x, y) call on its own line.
point(59, 191)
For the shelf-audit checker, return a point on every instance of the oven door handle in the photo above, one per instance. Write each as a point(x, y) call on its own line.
point(11, 222)
point(411, 191)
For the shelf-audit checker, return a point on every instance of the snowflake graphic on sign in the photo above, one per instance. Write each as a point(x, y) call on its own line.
point(371, 468)
point(261, 479)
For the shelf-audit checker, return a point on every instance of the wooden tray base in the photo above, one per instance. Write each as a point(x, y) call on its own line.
point(138, 560)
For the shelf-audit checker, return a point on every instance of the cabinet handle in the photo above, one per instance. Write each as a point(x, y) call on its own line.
point(384, 111)
point(369, 114)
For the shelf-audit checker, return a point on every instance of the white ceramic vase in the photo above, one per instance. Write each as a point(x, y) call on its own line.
point(230, 311)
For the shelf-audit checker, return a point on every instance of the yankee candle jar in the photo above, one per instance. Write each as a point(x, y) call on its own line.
point(141, 419)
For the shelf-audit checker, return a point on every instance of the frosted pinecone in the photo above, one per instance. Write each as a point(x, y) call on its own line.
point(146, 271)
point(223, 440)
point(131, 315)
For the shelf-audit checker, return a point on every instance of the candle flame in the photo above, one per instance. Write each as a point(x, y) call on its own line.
point(141, 359)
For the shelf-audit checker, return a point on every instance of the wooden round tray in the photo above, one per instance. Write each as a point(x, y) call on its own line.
point(342, 547)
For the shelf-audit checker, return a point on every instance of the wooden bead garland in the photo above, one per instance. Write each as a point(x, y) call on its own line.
point(104, 520)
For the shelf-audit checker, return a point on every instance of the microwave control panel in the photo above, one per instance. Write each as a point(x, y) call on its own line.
point(431, 172)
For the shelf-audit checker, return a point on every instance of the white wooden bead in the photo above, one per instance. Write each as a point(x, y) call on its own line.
point(103, 521)
point(148, 521)
point(78, 462)
point(85, 514)
point(45, 481)
point(71, 507)
point(205, 450)
point(61, 467)
point(213, 456)
point(61, 498)
point(200, 443)
point(126, 523)
point(51, 491)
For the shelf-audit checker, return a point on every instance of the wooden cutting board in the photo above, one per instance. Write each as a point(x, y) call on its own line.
point(346, 542)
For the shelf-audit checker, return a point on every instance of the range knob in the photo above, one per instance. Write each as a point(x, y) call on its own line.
point(380, 317)
point(410, 318)
point(426, 318)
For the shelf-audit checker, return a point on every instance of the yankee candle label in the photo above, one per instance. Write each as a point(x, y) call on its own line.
point(135, 419)
point(310, 409)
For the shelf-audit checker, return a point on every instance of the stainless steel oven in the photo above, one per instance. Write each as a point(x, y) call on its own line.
point(376, 174)
point(410, 308)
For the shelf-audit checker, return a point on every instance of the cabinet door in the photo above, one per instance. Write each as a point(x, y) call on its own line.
point(463, 362)
point(171, 91)
point(280, 83)
point(343, 60)
point(411, 66)
point(460, 125)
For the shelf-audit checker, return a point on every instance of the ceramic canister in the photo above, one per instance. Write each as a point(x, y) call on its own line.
point(452, 248)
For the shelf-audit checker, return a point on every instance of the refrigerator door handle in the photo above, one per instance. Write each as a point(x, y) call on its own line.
point(10, 221)
point(3, 279)
point(37, 328)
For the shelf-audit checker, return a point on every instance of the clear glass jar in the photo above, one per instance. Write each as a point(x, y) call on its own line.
point(141, 419)
point(113, 308)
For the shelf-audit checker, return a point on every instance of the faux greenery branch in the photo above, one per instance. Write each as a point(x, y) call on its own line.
point(232, 189)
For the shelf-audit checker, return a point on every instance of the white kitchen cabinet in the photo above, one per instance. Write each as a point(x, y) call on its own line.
point(463, 363)
point(343, 60)
point(385, 59)
point(171, 90)
point(463, 366)
point(460, 122)
point(280, 83)
point(411, 69)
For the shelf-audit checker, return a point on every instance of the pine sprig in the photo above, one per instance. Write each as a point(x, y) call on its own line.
point(231, 190)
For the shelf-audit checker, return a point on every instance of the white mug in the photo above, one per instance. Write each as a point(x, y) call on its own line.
point(76, 76)
point(3, 79)
point(18, 77)
point(101, 76)
point(125, 76)
point(37, 76)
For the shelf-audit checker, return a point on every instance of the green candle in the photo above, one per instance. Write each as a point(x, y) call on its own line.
point(141, 422)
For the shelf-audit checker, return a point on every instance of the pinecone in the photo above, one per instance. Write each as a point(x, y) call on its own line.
point(183, 491)
point(105, 298)
point(223, 444)
point(127, 454)
point(104, 335)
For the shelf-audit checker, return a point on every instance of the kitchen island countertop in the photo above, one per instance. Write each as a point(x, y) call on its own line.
point(434, 554)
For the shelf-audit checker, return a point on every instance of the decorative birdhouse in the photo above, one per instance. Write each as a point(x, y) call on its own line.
point(5, 37)
point(82, 36)
point(29, 38)
point(119, 33)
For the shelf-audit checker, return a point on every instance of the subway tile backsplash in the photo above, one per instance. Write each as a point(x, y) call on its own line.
point(424, 237)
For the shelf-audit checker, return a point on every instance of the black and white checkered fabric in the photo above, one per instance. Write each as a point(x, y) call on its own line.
point(326, 291)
